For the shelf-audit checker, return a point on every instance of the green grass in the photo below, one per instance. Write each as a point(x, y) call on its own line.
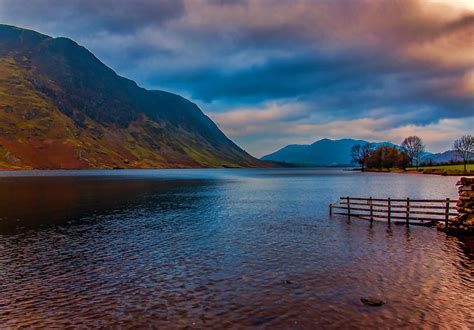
point(454, 170)
point(470, 167)
point(445, 169)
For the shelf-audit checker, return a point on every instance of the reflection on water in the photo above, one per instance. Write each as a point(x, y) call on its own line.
point(223, 248)
point(44, 201)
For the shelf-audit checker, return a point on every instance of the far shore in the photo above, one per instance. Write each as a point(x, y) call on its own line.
point(444, 170)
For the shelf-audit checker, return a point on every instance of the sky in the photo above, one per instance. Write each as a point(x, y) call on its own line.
point(277, 72)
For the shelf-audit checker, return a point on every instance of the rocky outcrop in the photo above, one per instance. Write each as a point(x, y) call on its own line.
point(464, 222)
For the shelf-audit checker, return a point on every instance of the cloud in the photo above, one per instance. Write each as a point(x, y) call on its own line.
point(439, 135)
point(452, 47)
point(467, 84)
point(279, 123)
point(275, 67)
point(118, 16)
point(251, 120)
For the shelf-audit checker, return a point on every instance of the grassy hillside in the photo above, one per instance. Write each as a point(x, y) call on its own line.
point(60, 107)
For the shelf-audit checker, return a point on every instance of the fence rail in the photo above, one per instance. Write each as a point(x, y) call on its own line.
point(411, 211)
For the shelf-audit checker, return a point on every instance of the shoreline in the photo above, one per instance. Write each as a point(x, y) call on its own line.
point(421, 171)
point(19, 169)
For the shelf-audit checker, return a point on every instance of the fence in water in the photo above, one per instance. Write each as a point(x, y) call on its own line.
point(411, 211)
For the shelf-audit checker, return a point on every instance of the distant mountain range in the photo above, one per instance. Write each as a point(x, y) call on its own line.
point(60, 107)
point(328, 152)
point(442, 157)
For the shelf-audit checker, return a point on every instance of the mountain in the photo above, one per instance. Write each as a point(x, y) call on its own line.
point(60, 107)
point(328, 152)
point(442, 157)
point(324, 152)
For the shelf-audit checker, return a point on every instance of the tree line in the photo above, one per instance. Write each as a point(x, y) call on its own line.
point(410, 153)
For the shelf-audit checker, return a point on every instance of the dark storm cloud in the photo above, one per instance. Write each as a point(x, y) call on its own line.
point(227, 2)
point(280, 78)
point(118, 16)
point(464, 21)
point(347, 84)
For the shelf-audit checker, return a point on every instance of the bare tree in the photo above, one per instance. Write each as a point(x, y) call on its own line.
point(365, 153)
point(360, 154)
point(464, 147)
point(414, 148)
point(355, 154)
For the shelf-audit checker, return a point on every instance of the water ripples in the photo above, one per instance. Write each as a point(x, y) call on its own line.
point(222, 249)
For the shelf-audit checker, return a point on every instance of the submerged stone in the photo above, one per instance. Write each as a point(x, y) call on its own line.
point(372, 301)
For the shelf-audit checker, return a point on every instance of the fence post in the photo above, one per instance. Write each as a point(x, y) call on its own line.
point(389, 211)
point(446, 219)
point(371, 209)
point(408, 211)
point(348, 208)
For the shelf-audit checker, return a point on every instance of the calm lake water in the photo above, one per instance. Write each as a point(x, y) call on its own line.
point(223, 248)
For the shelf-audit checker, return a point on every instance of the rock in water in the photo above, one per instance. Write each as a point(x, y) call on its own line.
point(372, 301)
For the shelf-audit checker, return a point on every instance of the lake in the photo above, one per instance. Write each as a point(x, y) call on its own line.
point(223, 248)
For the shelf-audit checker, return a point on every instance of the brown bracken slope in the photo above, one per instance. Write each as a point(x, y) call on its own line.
point(61, 108)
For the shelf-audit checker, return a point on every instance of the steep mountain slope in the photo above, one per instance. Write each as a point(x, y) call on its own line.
point(60, 107)
point(324, 152)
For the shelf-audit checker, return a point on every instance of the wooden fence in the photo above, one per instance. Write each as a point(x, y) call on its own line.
point(411, 211)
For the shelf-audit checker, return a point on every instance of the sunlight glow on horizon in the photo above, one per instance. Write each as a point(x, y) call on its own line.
point(461, 4)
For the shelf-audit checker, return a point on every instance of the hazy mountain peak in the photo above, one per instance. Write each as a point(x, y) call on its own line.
point(324, 152)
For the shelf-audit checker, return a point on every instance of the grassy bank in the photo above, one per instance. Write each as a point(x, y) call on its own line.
point(444, 169)
point(454, 170)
